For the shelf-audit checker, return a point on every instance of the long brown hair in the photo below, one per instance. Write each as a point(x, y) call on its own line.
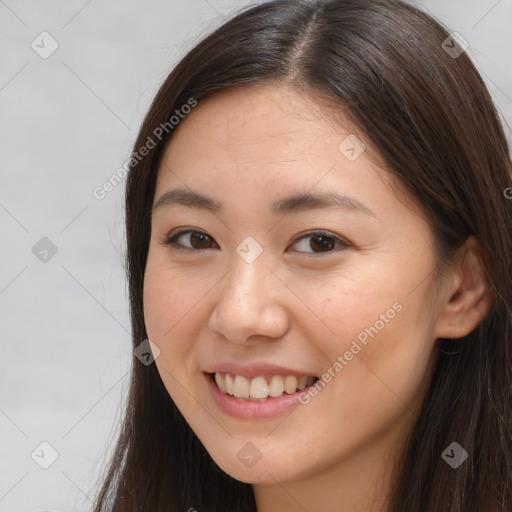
point(429, 115)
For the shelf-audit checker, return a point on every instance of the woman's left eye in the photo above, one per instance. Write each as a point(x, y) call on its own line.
point(325, 242)
point(320, 242)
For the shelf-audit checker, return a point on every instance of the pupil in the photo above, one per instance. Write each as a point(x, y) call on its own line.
point(197, 237)
point(325, 243)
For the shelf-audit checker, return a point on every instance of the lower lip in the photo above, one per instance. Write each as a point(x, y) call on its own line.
point(240, 408)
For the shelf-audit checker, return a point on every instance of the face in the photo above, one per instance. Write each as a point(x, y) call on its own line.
point(271, 293)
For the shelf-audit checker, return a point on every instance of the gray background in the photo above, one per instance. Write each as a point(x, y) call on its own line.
point(67, 124)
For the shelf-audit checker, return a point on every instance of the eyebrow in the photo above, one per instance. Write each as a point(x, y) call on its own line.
point(292, 204)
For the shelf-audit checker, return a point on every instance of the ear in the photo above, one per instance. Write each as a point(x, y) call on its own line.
point(467, 297)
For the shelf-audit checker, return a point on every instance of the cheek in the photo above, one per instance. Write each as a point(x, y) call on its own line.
point(378, 328)
point(159, 305)
point(366, 301)
point(167, 300)
point(168, 305)
point(356, 310)
point(167, 309)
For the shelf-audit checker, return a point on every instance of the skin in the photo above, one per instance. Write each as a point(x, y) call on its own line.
point(295, 305)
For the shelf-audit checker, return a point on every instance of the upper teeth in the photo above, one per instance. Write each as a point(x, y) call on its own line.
point(258, 387)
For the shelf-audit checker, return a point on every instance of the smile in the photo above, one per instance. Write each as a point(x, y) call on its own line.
point(261, 388)
point(261, 397)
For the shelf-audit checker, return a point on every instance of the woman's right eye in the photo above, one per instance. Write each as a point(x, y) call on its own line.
point(197, 240)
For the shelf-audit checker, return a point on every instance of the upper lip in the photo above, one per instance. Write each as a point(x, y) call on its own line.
point(256, 370)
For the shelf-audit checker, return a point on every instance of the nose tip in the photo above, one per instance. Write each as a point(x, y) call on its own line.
point(241, 325)
point(248, 304)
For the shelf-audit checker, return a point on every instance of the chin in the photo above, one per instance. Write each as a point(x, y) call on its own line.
point(261, 471)
point(259, 474)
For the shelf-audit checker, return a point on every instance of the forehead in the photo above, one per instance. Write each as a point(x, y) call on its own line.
point(265, 113)
point(267, 129)
point(269, 141)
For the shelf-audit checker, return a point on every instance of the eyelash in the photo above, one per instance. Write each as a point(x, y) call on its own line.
point(171, 241)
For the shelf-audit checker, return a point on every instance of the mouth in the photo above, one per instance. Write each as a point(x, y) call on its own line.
point(262, 388)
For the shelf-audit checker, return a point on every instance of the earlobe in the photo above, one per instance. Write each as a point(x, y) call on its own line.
point(467, 298)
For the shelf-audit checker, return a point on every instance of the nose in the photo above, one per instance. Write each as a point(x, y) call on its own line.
point(248, 305)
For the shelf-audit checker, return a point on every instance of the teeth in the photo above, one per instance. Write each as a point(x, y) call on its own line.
point(258, 388)
point(241, 387)
point(301, 384)
point(276, 387)
point(290, 385)
point(229, 383)
point(221, 383)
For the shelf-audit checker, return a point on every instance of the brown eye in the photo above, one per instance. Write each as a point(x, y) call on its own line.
point(196, 240)
point(320, 242)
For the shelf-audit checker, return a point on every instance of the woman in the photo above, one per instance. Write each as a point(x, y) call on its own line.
point(319, 243)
